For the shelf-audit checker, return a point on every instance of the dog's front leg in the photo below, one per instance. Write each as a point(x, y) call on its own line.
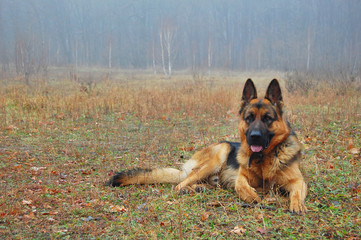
point(298, 192)
point(292, 181)
point(243, 188)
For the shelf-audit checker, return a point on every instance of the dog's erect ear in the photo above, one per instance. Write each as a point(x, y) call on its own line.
point(274, 94)
point(249, 91)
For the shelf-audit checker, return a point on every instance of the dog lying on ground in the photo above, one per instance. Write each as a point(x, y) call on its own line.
point(268, 155)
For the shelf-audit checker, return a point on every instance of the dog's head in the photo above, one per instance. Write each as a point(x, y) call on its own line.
point(262, 125)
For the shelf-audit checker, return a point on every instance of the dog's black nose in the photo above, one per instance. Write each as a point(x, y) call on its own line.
point(255, 134)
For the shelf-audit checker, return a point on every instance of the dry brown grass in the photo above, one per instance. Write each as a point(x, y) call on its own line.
point(60, 140)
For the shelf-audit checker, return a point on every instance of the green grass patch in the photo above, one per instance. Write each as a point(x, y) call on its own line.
point(58, 146)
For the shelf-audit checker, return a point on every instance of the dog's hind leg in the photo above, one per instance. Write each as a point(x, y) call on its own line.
point(195, 176)
point(205, 163)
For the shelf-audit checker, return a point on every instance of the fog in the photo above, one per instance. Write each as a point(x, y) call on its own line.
point(165, 35)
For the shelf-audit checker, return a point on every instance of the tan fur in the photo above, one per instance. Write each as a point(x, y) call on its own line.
point(210, 161)
point(279, 164)
point(162, 175)
point(274, 170)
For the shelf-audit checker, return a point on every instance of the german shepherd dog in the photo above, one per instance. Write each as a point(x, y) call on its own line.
point(268, 155)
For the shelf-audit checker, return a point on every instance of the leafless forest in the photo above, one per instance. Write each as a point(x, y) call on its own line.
point(89, 88)
point(166, 36)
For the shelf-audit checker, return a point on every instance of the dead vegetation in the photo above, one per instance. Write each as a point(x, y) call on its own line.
point(59, 144)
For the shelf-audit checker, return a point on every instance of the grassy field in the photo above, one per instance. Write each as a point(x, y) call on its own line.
point(60, 140)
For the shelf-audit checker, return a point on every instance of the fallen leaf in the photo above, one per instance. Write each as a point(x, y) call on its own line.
point(46, 123)
point(187, 149)
point(85, 172)
point(355, 151)
point(47, 206)
point(60, 116)
point(259, 217)
point(350, 146)
point(37, 168)
point(30, 215)
point(215, 204)
point(140, 220)
point(17, 166)
point(196, 228)
point(11, 127)
point(205, 216)
point(49, 213)
point(261, 230)
point(54, 191)
point(117, 208)
point(239, 230)
point(27, 202)
point(271, 200)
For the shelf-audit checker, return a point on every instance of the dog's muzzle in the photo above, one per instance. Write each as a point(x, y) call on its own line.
point(258, 141)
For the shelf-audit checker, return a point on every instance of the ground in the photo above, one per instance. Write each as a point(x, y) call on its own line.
point(61, 139)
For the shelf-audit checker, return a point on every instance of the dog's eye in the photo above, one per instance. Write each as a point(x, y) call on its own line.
point(249, 119)
point(267, 119)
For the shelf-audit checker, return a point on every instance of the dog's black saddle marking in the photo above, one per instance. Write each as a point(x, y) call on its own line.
point(232, 156)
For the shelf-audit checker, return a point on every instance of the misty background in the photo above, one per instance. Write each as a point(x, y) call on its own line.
point(180, 35)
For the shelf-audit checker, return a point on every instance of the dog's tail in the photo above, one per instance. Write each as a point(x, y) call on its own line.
point(147, 176)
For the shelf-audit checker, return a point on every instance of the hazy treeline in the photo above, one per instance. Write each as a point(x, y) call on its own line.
point(169, 34)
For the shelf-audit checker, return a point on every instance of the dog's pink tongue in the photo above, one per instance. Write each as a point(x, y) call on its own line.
point(256, 148)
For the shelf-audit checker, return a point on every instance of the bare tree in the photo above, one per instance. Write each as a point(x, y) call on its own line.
point(110, 43)
point(154, 64)
point(240, 35)
point(167, 37)
point(309, 41)
point(210, 55)
point(30, 56)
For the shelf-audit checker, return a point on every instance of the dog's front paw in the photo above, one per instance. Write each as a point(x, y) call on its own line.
point(298, 207)
point(248, 194)
point(179, 187)
point(183, 189)
point(199, 188)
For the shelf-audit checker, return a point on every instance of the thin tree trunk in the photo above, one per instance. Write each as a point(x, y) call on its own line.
point(153, 55)
point(169, 48)
point(110, 55)
point(162, 53)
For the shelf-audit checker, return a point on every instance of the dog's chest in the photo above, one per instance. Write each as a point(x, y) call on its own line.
point(266, 168)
